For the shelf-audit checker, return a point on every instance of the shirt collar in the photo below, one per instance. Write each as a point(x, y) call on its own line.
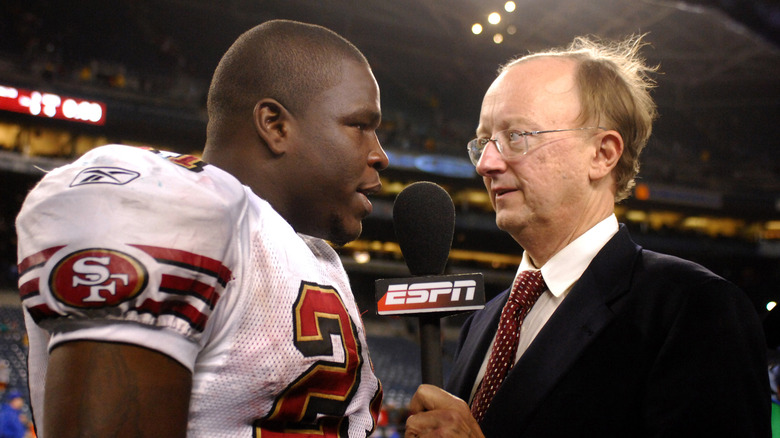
point(566, 267)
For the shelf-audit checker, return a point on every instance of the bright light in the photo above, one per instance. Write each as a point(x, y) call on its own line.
point(636, 216)
point(494, 18)
point(770, 305)
point(498, 38)
point(476, 29)
point(509, 6)
point(87, 111)
point(361, 257)
point(695, 222)
point(51, 105)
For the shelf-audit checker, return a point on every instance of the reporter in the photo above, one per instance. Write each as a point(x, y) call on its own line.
point(621, 341)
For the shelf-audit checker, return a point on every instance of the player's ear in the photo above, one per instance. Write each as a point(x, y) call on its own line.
point(272, 123)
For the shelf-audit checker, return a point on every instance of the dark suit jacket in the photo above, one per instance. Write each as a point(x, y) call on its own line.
point(644, 345)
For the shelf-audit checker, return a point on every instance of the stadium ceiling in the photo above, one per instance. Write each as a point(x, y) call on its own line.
point(719, 59)
point(720, 67)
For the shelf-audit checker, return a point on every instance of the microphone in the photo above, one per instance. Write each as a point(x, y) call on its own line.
point(424, 223)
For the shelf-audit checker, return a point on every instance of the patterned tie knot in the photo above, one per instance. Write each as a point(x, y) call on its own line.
point(527, 289)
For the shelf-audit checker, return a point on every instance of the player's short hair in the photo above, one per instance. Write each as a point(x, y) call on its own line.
point(285, 60)
point(614, 85)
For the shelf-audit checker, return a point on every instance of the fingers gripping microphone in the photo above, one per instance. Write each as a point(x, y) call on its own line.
point(424, 223)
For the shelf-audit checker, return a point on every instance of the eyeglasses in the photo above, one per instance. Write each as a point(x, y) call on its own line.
point(511, 143)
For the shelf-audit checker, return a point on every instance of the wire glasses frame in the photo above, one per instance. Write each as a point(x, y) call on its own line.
point(516, 142)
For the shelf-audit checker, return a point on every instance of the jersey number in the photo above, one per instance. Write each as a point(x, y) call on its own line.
point(315, 403)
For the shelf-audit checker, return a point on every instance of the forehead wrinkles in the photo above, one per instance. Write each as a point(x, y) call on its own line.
point(536, 92)
point(496, 105)
point(487, 113)
point(355, 91)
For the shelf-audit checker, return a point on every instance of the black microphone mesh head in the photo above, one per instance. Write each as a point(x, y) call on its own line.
point(424, 222)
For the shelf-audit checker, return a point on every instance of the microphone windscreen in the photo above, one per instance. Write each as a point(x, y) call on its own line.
point(424, 222)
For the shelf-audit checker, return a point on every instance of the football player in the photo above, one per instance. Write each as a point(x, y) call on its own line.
point(169, 296)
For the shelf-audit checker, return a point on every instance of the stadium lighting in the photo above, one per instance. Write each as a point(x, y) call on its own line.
point(494, 18)
point(476, 29)
point(362, 257)
point(49, 105)
point(509, 6)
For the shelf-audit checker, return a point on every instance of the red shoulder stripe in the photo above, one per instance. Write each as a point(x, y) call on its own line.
point(189, 260)
point(29, 289)
point(37, 259)
point(188, 286)
point(181, 309)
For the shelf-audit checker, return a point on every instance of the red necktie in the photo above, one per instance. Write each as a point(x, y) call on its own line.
point(527, 289)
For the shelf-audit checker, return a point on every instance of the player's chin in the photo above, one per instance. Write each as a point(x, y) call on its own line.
point(344, 230)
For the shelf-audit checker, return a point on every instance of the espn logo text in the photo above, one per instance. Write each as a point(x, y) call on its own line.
point(436, 293)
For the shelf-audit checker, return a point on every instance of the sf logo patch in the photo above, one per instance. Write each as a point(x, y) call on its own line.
point(97, 277)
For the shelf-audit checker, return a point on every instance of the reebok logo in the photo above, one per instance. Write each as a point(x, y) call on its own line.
point(104, 175)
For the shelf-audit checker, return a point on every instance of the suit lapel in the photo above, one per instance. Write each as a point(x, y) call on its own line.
point(475, 347)
point(577, 321)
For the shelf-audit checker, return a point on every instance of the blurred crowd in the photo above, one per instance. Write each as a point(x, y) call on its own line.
point(43, 40)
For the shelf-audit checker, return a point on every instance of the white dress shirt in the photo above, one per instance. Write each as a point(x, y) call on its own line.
point(559, 273)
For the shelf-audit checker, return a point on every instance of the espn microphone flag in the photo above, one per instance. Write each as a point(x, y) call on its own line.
point(424, 223)
point(434, 293)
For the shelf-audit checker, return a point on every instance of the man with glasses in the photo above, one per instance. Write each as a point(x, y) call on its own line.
point(621, 341)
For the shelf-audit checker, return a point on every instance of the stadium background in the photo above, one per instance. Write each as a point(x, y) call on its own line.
point(710, 179)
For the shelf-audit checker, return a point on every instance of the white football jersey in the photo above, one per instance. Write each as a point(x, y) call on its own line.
point(160, 250)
